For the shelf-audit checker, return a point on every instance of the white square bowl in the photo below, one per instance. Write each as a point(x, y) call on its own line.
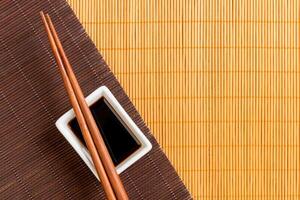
point(63, 126)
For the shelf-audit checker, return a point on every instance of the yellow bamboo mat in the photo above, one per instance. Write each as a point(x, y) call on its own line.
point(218, 83)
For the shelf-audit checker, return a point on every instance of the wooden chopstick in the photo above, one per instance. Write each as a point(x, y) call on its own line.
point(80, 117)
point(95, 132)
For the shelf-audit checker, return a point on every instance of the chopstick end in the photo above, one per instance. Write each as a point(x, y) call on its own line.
point(42, 13)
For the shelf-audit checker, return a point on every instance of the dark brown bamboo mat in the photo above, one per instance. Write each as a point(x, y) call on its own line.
point(36, 162)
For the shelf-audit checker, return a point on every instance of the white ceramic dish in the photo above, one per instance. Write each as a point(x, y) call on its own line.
point(64, 128)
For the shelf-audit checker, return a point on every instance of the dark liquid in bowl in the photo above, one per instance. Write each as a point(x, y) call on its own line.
point(119, 142)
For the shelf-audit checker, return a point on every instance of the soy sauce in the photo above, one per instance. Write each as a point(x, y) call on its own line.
point(116, 135)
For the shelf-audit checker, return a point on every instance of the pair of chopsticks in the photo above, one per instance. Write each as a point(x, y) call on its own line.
point(110, 180)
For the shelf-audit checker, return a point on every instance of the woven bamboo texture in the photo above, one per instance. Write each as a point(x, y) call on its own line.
point(218, 82)
point(36, 161)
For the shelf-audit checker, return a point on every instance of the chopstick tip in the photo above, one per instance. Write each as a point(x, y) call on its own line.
point(41, 13)
point(48, 18)
point(43, 17)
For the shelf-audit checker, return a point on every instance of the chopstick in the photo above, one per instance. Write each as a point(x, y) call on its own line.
point(95, 132)
point(85, 131)
point(106, 171)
